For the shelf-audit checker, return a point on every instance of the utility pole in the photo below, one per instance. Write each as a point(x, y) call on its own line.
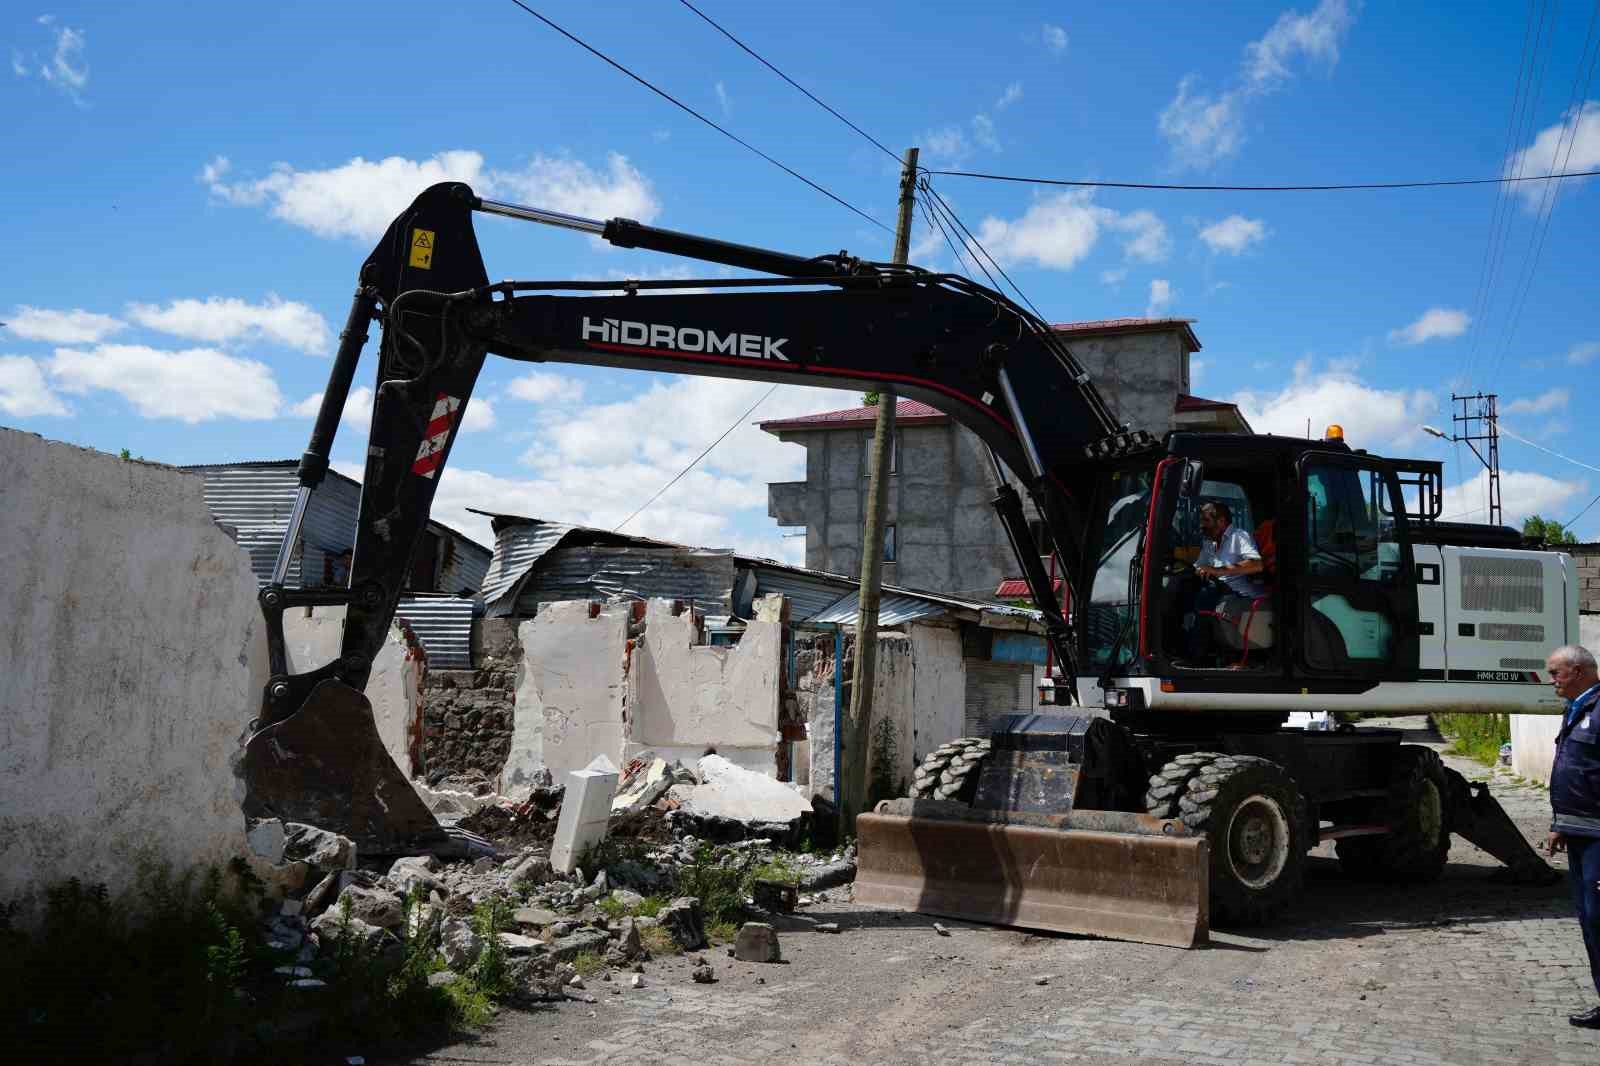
point(1470, 413)
point(858, 728)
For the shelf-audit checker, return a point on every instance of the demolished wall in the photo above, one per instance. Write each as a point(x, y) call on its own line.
point(468, 714)
point(571, 692)
point(394, 688)
point(134, 657)
point(685, 696)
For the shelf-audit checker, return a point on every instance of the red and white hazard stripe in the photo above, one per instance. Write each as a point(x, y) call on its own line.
point(431, 453)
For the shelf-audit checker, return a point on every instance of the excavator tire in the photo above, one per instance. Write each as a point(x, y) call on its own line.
point(1254, 817)
point(950, 772)
point(1418, 842)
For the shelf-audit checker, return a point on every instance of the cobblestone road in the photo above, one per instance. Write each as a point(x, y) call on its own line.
point(1465, 971)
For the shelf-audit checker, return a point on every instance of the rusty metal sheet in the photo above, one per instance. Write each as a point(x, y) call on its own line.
point(326, 766)
point(1143, 887)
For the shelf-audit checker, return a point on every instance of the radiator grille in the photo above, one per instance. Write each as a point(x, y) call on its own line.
point(1522, 664)
point(1508, 631)
point(1510, 586)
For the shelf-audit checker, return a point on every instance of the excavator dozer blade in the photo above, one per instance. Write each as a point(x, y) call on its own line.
point(326, 766)
point(1140, 885)
point(1476, 816)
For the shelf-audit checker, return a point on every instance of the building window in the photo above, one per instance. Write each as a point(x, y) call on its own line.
point(894, 454)
point(888, 544)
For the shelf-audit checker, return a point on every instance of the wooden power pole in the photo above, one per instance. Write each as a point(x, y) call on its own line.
point(858, 728)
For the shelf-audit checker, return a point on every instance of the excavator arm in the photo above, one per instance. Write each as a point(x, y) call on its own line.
point(829, 321)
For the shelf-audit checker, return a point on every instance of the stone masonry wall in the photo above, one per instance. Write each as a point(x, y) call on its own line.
point(467, 714)
point(1587, 556)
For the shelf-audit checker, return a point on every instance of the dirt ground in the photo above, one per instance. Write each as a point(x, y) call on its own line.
point(1464, 971)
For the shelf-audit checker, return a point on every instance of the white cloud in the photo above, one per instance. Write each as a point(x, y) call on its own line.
point(948, 144)
point(1058, 231)
point(1436, 323)
point(1160, 297)
point(1314, 36)
point(61, 327)
point(1114, 276)
point(24, 391)
point(480, 415)
point(540, 386)
point(1202, 129)
point(594, 466)
point(308, 407)
point(1205, 128)
point(65, 67)
point(220, 320)
point(1054, 37)
point(722, 99)
point(1012, 94)
point(1372, 417)
point(1197, 370)
point(1541, 157)
point(1234, 234)
point(1522, 493)
point(983, 132)
point(1542, 404)
point(357, 413)
point(193, 385)
point(1583, 353)
point(360, 198)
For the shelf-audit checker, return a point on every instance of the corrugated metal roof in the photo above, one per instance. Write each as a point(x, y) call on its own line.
point(444, 626)
point(809, 592)
point(893, 609)
point(517, 547)
point(583, 571)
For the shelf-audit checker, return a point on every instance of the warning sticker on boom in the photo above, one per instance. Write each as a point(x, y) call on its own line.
point(422, 248)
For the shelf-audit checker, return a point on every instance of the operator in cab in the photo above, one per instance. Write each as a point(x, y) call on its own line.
point(1575, 798)
point(1230, 565)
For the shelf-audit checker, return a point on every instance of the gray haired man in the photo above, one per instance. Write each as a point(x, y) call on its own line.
point(1575, 797)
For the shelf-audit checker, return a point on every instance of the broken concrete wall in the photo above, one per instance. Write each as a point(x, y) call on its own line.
point(572, 691)
point(134, 656)
point(685, 696)
point(468, 714)
point(891, 749)
point(395, 687)
point(939, 686)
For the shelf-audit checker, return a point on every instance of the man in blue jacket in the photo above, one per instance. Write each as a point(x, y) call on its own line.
point(1575, 797)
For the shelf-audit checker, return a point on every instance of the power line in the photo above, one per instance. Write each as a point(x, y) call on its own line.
point(1547, 451)
point(763, 61)
point(973, 240)
point(1569, 522)
point(696, 460)
point(685, 107)
point(1260, 188)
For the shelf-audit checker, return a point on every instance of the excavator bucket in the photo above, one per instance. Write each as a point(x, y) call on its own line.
point(1475, 815)
point(1102, 873)
point(326, 766)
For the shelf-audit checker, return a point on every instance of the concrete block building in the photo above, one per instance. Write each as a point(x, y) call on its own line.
point(942, 533)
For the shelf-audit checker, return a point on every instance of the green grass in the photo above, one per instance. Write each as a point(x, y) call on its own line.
point(1477, 736)
point(722, 932)
point(658, 941)
point(588, 963)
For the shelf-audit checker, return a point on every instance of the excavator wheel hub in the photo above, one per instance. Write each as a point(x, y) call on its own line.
point(1258, 840)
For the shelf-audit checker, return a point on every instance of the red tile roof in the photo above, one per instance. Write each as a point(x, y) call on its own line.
point(1129, 325)
point(1016, 588)
point(913, 411)
point(1199, 403)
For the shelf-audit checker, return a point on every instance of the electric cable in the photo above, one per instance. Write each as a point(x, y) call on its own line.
point(1552, 189)
point(685, 107)
point(763, 61)
point(696, 460)
point(1547, 451)
point(1259, 188)
point(968, 234)
point(1569, 522)
point(1480, 294)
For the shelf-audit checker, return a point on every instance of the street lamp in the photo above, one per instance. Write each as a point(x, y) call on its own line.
point(1432, 432)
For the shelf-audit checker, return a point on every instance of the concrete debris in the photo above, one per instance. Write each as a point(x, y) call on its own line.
point(703, 974)
point(442, 978)
point(775, 896)
point(415, 872)
point(517, 944)
point(375, 906)
point(629, 945)
point(484, 865)
point(318, 848)
point(585, 813)
point(627, 898)
point(826, 927)
point(829, 874)
point(757, 942)
point(646, 779)
point(265, 838)
point(579, 942)
point(534, 917)
point(684, 923)
point(459, 944)
point(308, 983)
point(941, 930)
point(637, 981)
point(729, 791)
point(576, 982)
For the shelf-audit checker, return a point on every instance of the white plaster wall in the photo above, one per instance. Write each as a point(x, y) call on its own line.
point(939, 686)
point(894, 706)
point(688, 696)
point(131, 658)
point(571, 692)
point(819, 740)
point(395, 687)
point(1533, 736)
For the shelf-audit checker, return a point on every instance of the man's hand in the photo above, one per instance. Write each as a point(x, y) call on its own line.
point(1554, 843)
point(1206, 571)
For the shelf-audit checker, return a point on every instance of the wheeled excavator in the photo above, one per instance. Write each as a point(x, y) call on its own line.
point(1167, 790)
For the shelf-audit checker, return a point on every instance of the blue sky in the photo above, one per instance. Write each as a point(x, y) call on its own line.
point(192, 197)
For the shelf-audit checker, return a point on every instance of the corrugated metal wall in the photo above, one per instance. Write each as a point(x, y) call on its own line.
point(256, 500)
point(702, 577)
point(444, 625)
point(516, 549)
